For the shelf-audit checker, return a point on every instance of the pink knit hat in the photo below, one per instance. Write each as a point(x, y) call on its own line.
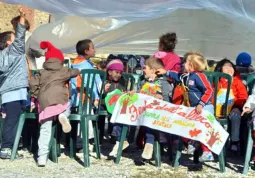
point(115, 64)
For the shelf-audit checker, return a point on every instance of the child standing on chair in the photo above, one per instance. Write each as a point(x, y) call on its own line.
point(49, 87)
point(198, 89)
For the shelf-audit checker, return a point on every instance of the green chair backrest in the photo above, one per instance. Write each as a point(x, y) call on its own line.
point(90, 76)
point(34, 72)
point(214, 78)
point(250, 81)
point(67, 63)
point(131, 80)
point(139, 83)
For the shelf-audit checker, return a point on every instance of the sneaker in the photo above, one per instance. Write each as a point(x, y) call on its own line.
point(147, 151)
point(206, 156)
point(66, 127)
point(41, 161)
point(116, 147)
point(5, 153)
point(235, 147)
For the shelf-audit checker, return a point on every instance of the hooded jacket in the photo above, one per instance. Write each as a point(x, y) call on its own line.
point(48, 86)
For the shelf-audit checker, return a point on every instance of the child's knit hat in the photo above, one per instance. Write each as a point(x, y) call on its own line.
point(243, 59)
point(115, 64)
point(52, 52)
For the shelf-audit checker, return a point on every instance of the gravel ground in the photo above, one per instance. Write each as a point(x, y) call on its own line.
point(131, 165)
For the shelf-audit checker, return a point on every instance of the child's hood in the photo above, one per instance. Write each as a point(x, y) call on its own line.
point(53, 64)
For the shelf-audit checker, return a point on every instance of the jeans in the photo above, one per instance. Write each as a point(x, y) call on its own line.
point(13, 110)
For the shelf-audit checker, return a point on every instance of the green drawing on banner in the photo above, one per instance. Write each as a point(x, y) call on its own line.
point(127, 100)
point(111, 99)
point(151, 115)
point(210, 118)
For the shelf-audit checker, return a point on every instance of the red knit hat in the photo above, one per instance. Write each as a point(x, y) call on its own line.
point(52, 51)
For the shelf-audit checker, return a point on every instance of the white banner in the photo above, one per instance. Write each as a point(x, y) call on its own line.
point(145, 110)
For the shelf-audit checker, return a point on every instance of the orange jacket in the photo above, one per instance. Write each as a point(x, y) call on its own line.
point(239, 90)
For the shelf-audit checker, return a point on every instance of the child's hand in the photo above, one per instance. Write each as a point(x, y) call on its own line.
point(32, 107)
point(21, 12)
point(131, 93)
point(246, 110)
point(3, 115)
point(107, 87)
point(96, 103)
point(199, 108)
point(161, 71)
point(158, 96)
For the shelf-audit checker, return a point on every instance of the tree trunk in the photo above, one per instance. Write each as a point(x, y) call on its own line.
point(212, 139)
point(124, 106)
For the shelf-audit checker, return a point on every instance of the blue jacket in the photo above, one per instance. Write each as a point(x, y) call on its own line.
point(81, 63)
point(13, 64)
point(199, 88)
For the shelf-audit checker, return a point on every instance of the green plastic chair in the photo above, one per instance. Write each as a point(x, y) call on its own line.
point(250, 83)
point(214, 78)
point(84, 114)
point(34, 115)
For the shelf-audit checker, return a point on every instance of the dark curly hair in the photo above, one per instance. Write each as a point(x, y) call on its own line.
point(221, 63)
point(15, 22)
point(167, 42)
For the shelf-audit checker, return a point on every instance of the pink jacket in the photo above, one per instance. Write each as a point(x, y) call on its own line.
point(170, 60)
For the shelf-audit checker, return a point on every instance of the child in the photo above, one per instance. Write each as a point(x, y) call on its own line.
point(166, 53)
point(248, 107)
point(159, 87)
point(13, 82)
point(102, 65)
point(114, 71)
point(85, 49)
point(198, 90)
point(48, 86)
point(243, 64)
point(237, 98)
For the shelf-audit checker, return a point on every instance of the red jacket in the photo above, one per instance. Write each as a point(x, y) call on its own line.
point(239, 90)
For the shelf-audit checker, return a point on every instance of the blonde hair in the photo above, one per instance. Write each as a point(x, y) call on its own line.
point(154, 63)
point(196, 60)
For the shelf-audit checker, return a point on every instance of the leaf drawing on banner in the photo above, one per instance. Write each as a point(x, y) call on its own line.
point(210, 118)
point(113, 99)
point(214, 136)
point(194, 133)
point(127, 100)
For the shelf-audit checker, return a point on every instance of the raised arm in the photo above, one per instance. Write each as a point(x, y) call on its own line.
point(18, 45)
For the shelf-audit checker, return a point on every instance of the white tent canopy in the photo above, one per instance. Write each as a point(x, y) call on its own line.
point(216, 28)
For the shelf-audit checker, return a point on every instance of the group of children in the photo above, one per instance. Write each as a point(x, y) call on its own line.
point(161, 72)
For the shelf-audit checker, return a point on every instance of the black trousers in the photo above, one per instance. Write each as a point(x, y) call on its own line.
point(13, 110)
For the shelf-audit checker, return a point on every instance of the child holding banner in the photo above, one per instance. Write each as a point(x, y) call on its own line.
point(197, 91)
point(156, 86)
point(115, 80)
